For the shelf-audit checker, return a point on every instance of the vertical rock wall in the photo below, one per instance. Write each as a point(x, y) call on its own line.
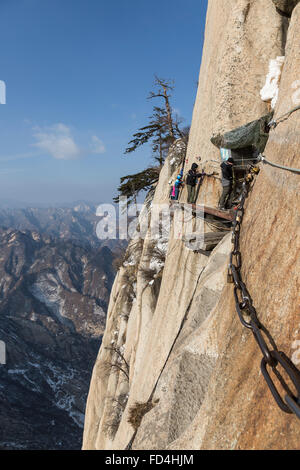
point(239, 411)
point(241, 37)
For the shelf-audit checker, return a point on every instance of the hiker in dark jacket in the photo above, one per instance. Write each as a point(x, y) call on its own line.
point(227, 180)
point(191, 182)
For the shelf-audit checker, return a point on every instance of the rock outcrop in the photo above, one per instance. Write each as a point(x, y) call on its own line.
point(173, 341)
point(285, 6)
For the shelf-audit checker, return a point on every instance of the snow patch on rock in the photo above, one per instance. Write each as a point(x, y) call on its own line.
point(270, 90)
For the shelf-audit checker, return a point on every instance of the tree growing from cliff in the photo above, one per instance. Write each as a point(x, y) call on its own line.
point(117, 407)
point(161, 131)
point(118, 363)
point(157, 132)
point(132, 185)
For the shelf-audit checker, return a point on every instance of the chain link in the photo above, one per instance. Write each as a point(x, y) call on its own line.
point(272, 358)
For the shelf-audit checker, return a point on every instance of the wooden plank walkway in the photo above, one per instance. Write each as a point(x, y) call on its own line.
point(202, 210)
point(206, 241)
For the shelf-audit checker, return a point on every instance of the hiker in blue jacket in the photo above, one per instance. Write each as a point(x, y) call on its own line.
point(176, 188)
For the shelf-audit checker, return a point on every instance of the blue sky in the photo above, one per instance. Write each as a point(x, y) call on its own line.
point(77, 74)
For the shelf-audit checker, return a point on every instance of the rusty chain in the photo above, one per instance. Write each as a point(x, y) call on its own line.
point(247, 313)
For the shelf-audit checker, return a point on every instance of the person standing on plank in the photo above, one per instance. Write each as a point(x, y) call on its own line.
point(227, 180)
point(191, 182)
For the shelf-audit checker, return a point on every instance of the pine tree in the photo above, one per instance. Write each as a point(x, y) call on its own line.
point(132, 185)
point(163, 129)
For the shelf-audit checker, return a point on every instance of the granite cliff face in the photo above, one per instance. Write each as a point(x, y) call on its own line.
point(176, 368)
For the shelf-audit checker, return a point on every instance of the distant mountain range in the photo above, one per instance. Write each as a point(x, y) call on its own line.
point(6, 203)
point(77, 222)
point(55, 282)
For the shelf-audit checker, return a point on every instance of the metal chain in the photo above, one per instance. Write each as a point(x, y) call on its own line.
point(272, 358)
